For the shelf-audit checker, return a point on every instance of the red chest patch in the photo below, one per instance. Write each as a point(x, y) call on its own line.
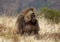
point(27, 23)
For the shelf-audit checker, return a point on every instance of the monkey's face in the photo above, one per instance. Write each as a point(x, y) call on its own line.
point(29, 16)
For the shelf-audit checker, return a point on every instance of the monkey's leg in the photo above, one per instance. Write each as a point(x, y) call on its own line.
point(36, 30)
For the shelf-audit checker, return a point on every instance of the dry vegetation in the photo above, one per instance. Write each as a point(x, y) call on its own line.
point(48, 32)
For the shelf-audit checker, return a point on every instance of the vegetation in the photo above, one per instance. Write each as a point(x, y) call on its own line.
point(47, 32)
point(51, 14)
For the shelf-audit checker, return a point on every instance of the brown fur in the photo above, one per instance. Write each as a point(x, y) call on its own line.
point(29, 26)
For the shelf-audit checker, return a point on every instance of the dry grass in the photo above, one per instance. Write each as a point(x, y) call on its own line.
point(48, 32)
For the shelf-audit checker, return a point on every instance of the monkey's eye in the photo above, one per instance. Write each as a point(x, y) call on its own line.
point(32, 13)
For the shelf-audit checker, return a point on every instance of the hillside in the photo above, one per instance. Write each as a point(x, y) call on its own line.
point(49, 28)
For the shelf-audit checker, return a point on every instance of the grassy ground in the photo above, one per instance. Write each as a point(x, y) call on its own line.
point(48, 32)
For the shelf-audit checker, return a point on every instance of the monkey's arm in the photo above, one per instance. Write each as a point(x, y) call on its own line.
point(19, 22)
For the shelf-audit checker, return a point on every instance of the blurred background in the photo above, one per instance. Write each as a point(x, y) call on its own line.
point(47, 14)
point(13, 7)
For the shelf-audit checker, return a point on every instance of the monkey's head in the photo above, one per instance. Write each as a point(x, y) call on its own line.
point(29, 15)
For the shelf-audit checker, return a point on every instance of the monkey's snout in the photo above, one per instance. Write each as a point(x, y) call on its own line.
point(32, 15)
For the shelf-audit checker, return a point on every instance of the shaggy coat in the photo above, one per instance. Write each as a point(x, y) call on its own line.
point(31, 26)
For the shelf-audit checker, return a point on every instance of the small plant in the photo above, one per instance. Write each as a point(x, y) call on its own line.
point(51, 14)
